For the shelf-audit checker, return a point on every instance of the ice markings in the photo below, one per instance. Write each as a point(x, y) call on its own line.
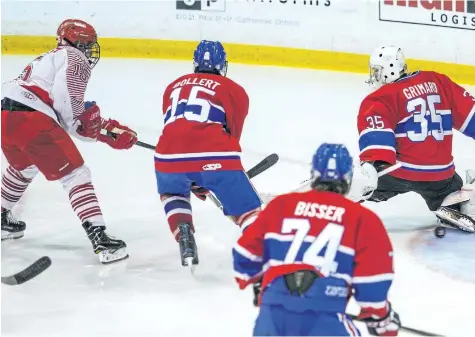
point(453, 255)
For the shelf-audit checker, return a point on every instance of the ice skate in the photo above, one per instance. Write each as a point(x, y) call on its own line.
point(188, 249)
point(108, 248)
point(11, 227)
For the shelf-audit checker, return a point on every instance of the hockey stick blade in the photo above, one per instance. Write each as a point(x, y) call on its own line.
point(30, 272)
point(263, 165)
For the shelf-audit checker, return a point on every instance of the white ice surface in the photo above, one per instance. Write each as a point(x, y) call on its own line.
point(292, 111)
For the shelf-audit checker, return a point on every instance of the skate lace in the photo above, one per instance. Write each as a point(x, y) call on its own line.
point(11, 219)
point(99, 235)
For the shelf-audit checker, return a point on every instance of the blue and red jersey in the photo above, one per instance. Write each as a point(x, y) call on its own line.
point(411, 121)
point(204, 116)
point(323, 232)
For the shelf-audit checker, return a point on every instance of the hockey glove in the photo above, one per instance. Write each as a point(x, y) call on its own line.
point(90, 119)
point(123, 139)
point(386, 326)
point(199, 192)
point(365, 181)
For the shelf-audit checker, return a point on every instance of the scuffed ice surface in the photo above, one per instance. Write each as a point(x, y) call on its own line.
point(150, 294)
point(453, 255)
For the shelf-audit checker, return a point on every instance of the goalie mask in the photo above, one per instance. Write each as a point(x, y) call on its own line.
point(386, 65)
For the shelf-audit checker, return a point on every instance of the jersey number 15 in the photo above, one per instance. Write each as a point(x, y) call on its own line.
point(191, 108)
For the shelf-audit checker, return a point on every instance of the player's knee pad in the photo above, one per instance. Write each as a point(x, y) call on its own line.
point(177, 210)
point(244, 220)
point(80, 176)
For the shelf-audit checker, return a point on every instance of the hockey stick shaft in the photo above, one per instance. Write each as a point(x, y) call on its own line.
point(389, 169)
point(30, 272)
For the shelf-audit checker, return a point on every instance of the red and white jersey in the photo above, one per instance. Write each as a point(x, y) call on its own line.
point(54, 84)
point(324, 232)
point(411, 121)
point(204, 117)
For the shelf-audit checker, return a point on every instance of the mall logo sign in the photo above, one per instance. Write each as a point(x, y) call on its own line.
point(443, 13)
point(202, 5)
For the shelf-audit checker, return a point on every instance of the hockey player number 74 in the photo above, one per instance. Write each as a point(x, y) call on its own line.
point(193, 108)
point(329, 237)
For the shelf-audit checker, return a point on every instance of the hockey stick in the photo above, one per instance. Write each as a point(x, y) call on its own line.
point(404, 328)
point(304, 185)
point(30, 272)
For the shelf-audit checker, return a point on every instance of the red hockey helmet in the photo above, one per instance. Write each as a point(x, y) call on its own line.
point(83, 36)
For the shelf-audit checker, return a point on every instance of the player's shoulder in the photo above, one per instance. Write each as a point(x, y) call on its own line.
point(230, 83)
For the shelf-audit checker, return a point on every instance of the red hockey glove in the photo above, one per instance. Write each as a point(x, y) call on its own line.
point(90, 119)
point(199, 192)
point(124, 137)
point(386, 326)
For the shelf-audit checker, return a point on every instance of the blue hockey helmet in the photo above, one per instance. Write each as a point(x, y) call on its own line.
point(210, 57)
point(332, 168)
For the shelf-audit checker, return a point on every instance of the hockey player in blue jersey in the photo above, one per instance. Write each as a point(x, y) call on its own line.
point(311, 252)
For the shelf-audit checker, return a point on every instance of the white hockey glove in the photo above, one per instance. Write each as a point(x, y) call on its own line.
point(365, 181)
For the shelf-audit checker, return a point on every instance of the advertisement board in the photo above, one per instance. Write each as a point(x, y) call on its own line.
point(458, 14)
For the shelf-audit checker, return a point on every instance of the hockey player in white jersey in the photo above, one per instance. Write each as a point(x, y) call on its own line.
point(40, 110)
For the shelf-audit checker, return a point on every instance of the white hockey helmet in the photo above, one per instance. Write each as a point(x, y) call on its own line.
point(386, 65)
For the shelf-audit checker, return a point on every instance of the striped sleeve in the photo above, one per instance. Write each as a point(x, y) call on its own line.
point(69, 87)
point(373, 271)
point(248, 252)
point(377, 140)
point(463, 107)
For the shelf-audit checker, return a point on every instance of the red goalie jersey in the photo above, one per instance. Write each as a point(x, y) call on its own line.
point(411, 121)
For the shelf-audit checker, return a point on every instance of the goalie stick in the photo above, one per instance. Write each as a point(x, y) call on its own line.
point(304, 185)
point(30, 272)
